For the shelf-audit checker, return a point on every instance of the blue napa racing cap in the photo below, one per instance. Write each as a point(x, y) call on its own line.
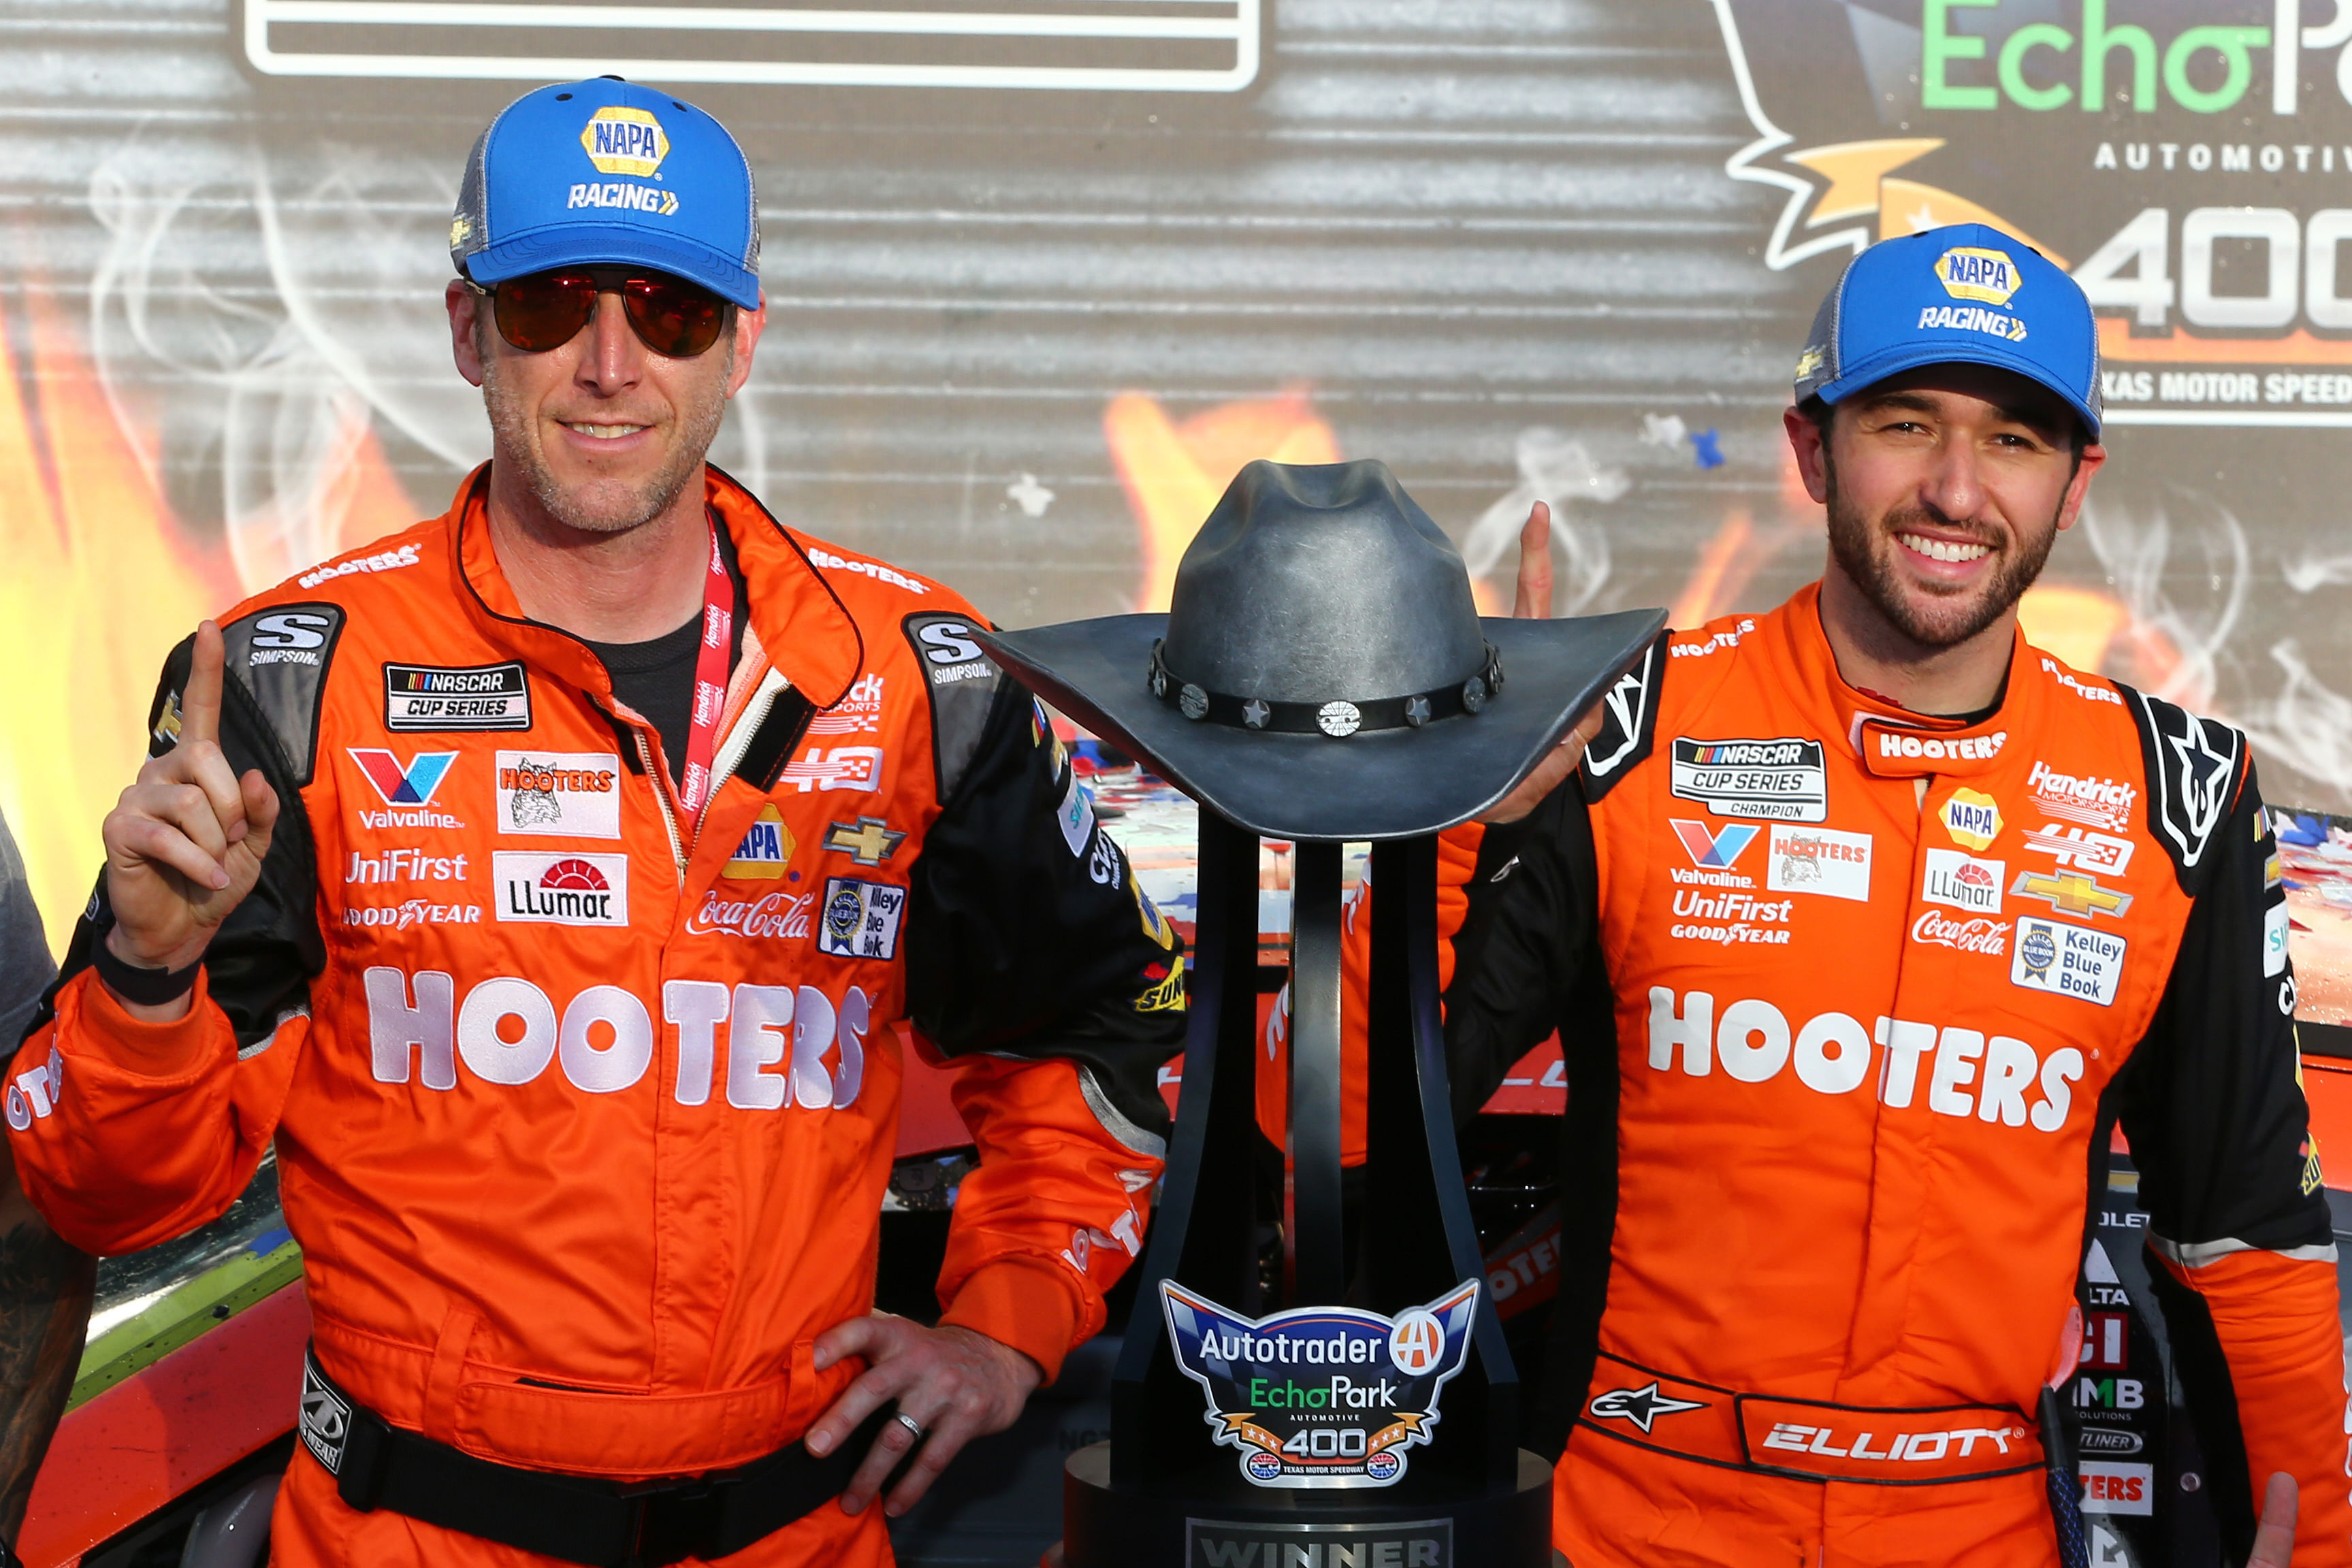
point(1964, 294)
point(608, 173)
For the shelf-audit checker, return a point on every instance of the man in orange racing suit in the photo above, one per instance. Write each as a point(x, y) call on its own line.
point(1862, 923)
point(546, 886)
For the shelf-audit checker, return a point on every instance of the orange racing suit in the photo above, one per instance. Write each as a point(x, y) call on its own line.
point(583, 1117)
point(1849, 1001)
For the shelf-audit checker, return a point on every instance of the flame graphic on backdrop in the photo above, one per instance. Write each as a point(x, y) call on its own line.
point(99, 586)
point(1174, 472)
point(102, 581)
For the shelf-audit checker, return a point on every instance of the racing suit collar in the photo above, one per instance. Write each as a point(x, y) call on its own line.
point(798, 624)
point(1891, 741)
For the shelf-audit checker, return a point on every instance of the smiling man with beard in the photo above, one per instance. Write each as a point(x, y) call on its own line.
point(1864, 924)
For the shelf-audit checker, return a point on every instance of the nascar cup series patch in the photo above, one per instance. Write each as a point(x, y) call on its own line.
point(1321, 1396)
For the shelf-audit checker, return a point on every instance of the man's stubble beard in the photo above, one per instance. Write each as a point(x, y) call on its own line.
point(1865, 554)
point(604, 505)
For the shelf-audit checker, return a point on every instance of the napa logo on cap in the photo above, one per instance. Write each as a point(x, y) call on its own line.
point(1973, 272)
point(622, 141)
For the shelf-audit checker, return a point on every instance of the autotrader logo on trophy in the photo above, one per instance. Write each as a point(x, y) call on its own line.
point(1322, 676)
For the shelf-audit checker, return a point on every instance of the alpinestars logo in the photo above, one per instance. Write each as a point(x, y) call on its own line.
point(407, 789)
point(1642, 1406)
point(2189, 776)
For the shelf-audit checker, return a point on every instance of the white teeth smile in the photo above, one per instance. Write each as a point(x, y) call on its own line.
point(605, 432)
point(1942, 550)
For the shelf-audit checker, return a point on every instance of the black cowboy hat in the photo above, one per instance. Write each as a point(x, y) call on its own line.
point(1324, 673)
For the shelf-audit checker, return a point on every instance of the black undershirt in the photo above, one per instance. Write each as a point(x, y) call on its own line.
point(656, 678)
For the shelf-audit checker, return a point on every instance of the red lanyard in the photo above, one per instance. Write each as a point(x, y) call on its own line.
point(694, 787)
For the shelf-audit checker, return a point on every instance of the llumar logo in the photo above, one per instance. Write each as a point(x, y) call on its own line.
point(621, 140)
point(1972, 272)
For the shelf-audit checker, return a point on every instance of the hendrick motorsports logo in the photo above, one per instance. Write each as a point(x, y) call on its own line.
point(1321, 1396)
point(2186, 162)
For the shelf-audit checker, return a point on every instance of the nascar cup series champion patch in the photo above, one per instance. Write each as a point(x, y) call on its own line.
point(1321, 1396)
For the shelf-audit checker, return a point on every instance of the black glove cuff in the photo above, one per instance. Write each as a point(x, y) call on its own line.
point(147, 987)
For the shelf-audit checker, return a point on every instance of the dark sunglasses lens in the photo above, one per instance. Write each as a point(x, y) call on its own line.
point(545, 310)
point(677, 320)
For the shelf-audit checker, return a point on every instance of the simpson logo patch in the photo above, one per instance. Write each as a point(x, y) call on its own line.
point(436, 698)
point(326, 1420)
point(860, 919)
point(1777, 780)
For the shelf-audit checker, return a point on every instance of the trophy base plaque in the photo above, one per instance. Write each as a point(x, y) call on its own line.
point(1198, 1527)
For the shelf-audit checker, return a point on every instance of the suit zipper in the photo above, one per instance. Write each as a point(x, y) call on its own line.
point(772, 685)
point(661, 797)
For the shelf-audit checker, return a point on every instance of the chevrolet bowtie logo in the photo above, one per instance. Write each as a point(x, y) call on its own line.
point(1642, 1406)
point(2071, 892)
point(868, 842)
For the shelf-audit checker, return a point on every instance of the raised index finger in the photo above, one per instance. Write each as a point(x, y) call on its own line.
point(200, 704)
point(1534, 598)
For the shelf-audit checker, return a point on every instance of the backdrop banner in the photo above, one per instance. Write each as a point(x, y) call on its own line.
point(1044, 273)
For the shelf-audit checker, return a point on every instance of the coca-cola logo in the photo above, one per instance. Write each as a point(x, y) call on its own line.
point(777, 914)
point(1987, 936)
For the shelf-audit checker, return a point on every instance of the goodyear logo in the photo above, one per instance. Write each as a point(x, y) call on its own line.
point(626, 141)
point(1971, 272)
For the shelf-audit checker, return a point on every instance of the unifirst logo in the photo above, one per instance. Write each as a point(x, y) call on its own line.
point(621, 140)
point(1971, 272)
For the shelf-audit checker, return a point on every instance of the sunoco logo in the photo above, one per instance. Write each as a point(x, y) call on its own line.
point(621, 140)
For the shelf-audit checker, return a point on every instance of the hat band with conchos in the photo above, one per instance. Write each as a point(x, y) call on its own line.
point(1339, 719)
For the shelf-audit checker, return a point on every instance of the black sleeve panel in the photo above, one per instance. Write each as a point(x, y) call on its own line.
point(2204, 1372)
point(1629, 724)
point(1522, 945)
point(263, 957)
point(2193, 767)
point(2212, 1099)
point(1027, 935)
point(1527, 961)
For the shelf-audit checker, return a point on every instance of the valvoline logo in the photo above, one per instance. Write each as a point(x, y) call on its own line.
point(413, 783)
point(1711, 850)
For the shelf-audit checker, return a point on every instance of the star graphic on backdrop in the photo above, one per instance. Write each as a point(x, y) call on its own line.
point(1642, 1406)
point(1923, 220)
point(1254, 714)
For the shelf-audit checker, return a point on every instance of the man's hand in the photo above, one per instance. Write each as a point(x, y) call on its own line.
point(2274, 1537)
point(954, 1384)
point(1533, 602)
point(184, 845)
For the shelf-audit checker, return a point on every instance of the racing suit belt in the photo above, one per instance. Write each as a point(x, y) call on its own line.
point(494, 1412)
point(1807, 1439)
point(575, 1519)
